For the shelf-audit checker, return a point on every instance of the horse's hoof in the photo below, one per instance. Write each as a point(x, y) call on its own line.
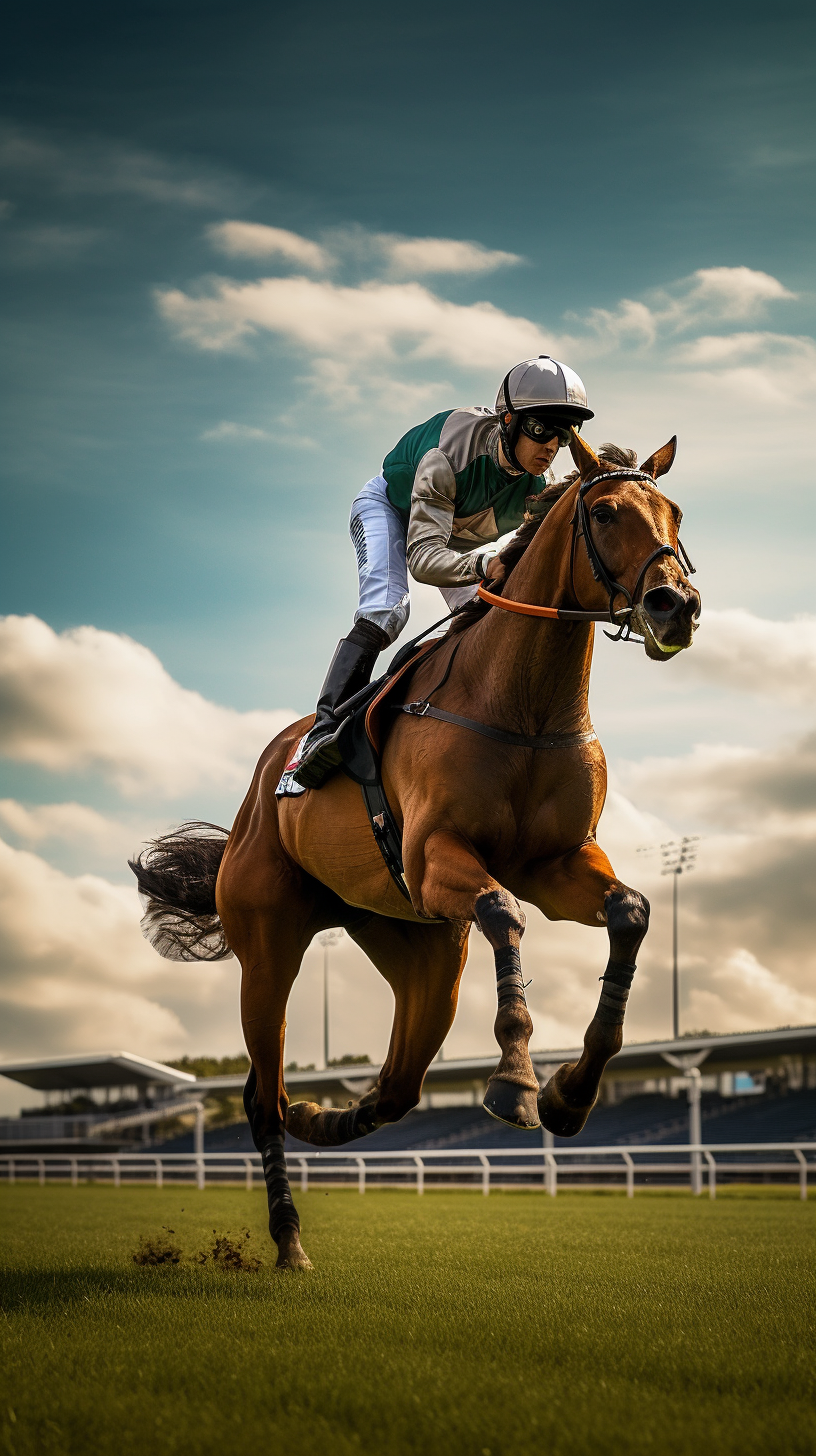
point(290, 1253)
point(510, 1103)
point(558, 1115)
point(299, 1118)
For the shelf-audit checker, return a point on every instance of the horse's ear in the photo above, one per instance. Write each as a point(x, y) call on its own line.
point(583, 454)
point(662, 460)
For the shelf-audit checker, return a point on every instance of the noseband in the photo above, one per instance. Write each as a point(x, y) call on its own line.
point(581, 528)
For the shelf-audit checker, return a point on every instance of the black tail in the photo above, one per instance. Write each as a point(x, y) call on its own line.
point(177, 874)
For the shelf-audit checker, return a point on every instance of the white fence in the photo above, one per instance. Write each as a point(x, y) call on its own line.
point(538, 1168)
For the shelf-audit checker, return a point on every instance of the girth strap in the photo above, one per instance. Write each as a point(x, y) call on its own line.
point(500, 735)
point(386, 833)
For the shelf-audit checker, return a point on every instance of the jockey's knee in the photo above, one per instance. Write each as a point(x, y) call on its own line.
point(390, 620)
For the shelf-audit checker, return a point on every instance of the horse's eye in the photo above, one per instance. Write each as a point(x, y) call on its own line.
point(603, 516)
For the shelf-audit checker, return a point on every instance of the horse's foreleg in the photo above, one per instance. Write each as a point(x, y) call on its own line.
point(455, 884)
point(584, 887)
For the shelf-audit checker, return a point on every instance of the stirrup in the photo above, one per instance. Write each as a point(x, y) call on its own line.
point(317, 761)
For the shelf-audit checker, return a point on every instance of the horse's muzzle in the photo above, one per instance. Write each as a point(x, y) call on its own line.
point(666, 618)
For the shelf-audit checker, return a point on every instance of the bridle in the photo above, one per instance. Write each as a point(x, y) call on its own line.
point(581, 529)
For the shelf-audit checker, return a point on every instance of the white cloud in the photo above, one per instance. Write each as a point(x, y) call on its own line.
point(732, 295)
point(76, 975)
point(374, 321)
point(256, 240)
point(709, 297)
point(736, 649)
point(743, 994)
point(72, 962)
point(229, 430)
point(414, 257)
point(71, 823)
point(86, 699)
point(99, 168)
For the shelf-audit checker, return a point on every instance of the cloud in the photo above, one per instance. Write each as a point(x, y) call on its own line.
point(87, 699)
point(71, 823)
point(736, 649)
point(413, 257)
point(97, 168)
point(728, 294)
point(256, 240)
point(49, 246)
point(229, 430)
point(743, 994)
point(376, 321)
point(76, 975)
point(364, 339)
point(708, 297)
point(72, 962)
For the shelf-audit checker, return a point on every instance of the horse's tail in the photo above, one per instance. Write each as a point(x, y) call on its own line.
point(177, 874)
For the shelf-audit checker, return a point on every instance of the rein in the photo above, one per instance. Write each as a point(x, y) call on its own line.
point(581, 528)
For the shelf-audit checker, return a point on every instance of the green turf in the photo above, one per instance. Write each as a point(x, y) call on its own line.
point(446, 1324)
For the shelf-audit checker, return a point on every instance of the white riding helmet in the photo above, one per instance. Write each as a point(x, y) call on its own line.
point(544, 388)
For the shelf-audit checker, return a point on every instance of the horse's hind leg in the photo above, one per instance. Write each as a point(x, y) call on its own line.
point(423, 965)
point(584, 887)
point(270, 947)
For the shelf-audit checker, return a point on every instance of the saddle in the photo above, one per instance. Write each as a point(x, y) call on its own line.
point(360, 742)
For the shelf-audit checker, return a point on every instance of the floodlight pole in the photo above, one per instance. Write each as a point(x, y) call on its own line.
point(678, 857)
point(675, 971)
point(327, 940)
point(325, 1004)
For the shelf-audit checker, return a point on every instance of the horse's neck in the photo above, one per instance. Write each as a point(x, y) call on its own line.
point(536, 672)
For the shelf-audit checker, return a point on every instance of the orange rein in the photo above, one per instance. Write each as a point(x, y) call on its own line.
point(529, 609)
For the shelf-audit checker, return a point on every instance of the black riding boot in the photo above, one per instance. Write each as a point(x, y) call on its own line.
point(349, 670)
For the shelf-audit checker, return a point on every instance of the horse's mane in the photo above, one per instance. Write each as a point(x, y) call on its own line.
point(615, 455)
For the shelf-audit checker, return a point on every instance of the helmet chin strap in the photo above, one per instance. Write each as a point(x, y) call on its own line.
point(508, 440)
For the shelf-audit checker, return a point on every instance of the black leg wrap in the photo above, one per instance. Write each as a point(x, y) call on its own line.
point(509, 981)
point(346, 1126)
point(617, 979)
point(282, 1211)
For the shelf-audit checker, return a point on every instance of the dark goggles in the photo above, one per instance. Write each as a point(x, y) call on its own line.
point(543, 430)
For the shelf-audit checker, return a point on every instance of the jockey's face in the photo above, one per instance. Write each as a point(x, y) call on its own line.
point(535, 456)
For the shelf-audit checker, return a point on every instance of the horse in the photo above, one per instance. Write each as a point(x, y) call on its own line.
point(495, 807)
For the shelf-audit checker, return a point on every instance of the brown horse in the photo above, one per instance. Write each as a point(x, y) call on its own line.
point(485, 823)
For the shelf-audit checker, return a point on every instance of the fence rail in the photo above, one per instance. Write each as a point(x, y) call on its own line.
point(542, 1168)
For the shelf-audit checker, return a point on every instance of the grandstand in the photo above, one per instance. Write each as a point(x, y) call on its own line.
point(755, 1087)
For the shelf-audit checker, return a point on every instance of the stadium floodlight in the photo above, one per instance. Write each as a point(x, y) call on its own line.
point(679, 857)
point(327, 939)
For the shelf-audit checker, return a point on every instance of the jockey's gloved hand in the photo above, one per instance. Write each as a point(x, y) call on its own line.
point(483, 561)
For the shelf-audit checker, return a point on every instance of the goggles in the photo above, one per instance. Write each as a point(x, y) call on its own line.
point(543, 430)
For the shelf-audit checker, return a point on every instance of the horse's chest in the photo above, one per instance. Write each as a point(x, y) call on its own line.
point(559, 812)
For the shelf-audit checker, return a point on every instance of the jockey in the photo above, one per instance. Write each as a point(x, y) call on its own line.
point(447, 491)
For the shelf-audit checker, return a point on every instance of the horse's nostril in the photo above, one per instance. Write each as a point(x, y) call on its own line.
point(663, 602)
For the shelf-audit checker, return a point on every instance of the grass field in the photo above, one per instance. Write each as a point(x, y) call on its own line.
point(449, 1324)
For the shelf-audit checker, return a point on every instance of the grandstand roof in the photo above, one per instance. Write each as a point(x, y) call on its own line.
point(105, 1069)
point(737, 1051)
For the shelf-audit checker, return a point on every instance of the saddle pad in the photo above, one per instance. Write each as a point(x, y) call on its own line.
point(287, 788)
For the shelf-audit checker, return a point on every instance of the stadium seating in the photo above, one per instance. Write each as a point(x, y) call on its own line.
point(648, 1118)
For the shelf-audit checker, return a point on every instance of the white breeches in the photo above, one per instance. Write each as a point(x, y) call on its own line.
point(378, 533)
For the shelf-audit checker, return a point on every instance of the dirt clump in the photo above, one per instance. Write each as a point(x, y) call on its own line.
point(157, 1249)
point(230, 1253)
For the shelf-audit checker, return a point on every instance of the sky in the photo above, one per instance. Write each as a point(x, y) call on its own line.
point(244, 249)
